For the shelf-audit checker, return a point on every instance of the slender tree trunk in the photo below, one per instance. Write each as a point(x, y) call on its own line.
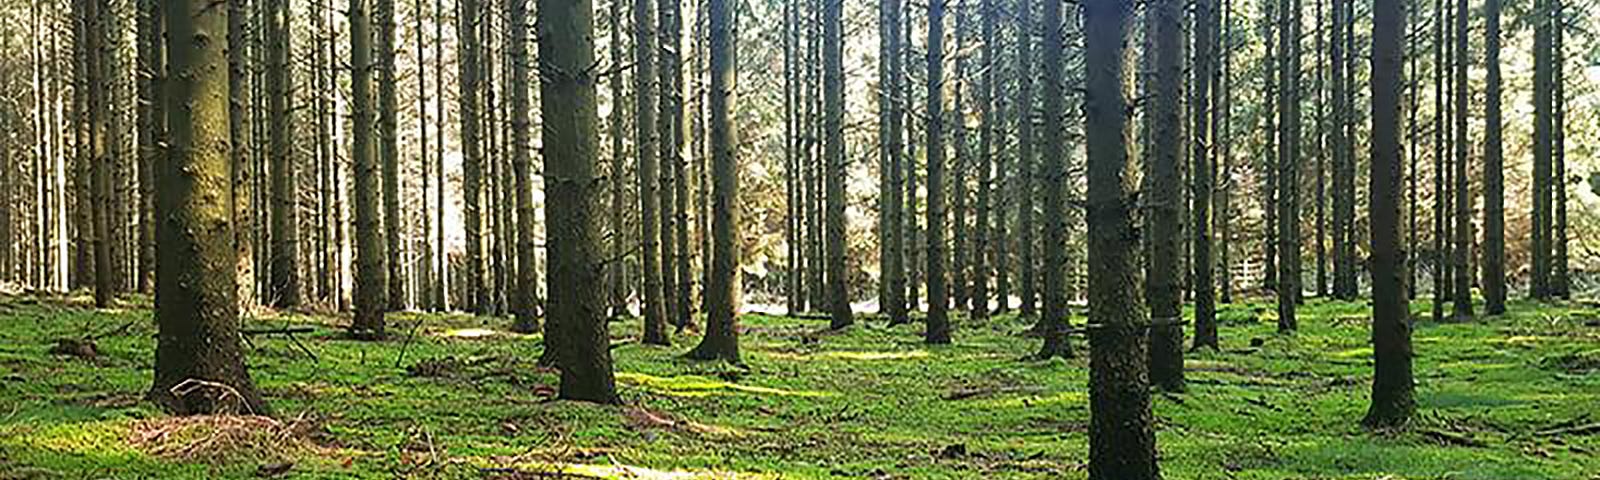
point(1438, 162)
point(1163, 292)
point(522, 169)
point(937, 329)
point(1052, 169)
point(1494, 212)
point(474, 295)
point(891, 102)
point(424, 270)
point(1462, 309)
point(1268, 155)
point(286, 289)
point(655, 313)
point(1560, 283)
point(96, 34)
point(1392, 402)
point(721, 340)
point(618, 284)
point(835, 161)
point(673, 154)
point(1203, 149)
point(371, 284)
point(1224, 218)
point(1412, 52)
point(1320, 96)
point(441, 282)
point(196, 309)
point(1289, 168)
point(1026, 164)
point(389, 153)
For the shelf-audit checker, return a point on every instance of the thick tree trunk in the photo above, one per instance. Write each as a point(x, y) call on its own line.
point(1121, 438)
point(982, 248)
point(569, 113)
point(1052, 169)
point(1392, 402)
point(721, 340)
point(371, 282)
point(196, 309)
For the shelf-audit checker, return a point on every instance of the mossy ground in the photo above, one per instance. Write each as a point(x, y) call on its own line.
point(867, 402)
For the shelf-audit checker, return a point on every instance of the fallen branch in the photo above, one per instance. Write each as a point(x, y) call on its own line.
point(1453, 438)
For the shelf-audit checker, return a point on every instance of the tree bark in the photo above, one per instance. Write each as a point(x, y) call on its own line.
point(371, 285)
point(196, 309)
point(1392, 402)
point(1163, 292)
point(1026, 164)
point(1121, 437)
point(475, 297)
point(389, 153)
point(835, 161)
point(1203, 149)
point(891, 103)
point(1494, 211)
point(721, 340)
point(937, 328)
point(569, 114)
point(1289, 168)
point(655, 313)
point(285, 258)
point(522, 169)
point(1462, 308)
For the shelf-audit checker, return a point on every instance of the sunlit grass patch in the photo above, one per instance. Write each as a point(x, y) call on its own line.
point(697, 386)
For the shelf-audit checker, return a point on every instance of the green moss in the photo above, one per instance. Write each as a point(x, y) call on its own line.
point(869, 401)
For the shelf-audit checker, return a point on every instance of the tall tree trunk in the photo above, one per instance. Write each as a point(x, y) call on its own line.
point(424, 286)
point(1121, 438)
point(667, 98)
point(644, 83)
point(96, 35)
point(1462, 308)
point(242, 137)
point(721, 340)
point(1343, 159)
point(1320, 96)
point(1494, 210)
point(835, 161)
point(1289, 168)
point(794, 223)
point(937, 328)
point(1392, 402)
point(196, 309)
point(286, 289)
point(1268, 155)
point(569, 112)
point(890, 103)
point(1163, 292)
point(1438, 162)
point(475, 296)
point(1412, 52)
point(672, 153)
point(911, 240)
point(389, 153)
point(982, 250)
point(617, 280)
point(1203, 150)
point(371, 284)
point(442, 276)
point(522, 169)
point(1053, 174)
point(1560, 283)
point(1224, 139)
point(1026, 164)
point(961, 261)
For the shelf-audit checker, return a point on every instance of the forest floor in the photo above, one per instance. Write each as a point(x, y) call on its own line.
point(1510, 397)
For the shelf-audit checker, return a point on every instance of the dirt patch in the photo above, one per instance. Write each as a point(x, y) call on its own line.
point(217, 439)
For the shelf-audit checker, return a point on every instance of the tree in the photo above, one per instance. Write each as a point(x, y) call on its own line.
point(1163, 291)
point(242, 136)
point(981, 243)
point(1462, 308)
point(371, 283)
point(1539, 286)
point(152, 125)
point(1392, 401)
point(617, 273)
point(937, 329)
point(834, 161)
point(389, 153)
point(285, 258)
point(1121, 440)
point(96, 33)
point(522, 170)
point(1560, 283)
point(1344, 280)
point(196, 310)
point(1203, 149)
point(1438, 163)
point(468, 17)
point(569, 114)
point(1203, 333)
point(1026, 164)
point(891, 233)
point(672, 145)
point(1494, 234)
point(644, 84)
point(1053, 174)
point(721, 340)
point(1289, 167)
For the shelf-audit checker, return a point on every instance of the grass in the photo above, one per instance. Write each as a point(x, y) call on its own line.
point(468, 402)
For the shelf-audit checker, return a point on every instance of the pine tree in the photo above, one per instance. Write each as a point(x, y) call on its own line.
point(1121, 438)
point(834, 161)
point(522, 302)
point(388, 152)
point(1202, 175)
point(721, 340)
point(1494, 234)
point(937, 329)
point(285, 258)
point(1053, 176)
point(644, 83)
point(1392, 401)
point(569, 112)
point(196, 309)
point(371, 286)
point(1163, 125)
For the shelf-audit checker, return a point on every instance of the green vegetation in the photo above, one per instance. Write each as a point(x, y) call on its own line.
point(467, 401)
